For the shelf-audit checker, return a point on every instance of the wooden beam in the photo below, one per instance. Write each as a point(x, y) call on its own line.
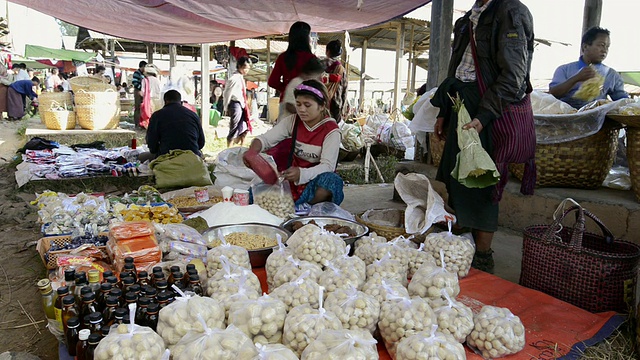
point(592, 14)
point(149, 53)
point(440, 41)
point(396, 82)
point(409, 64)
point(173, 55)
point(204, 84)
point(363, 64)
point(268, 73)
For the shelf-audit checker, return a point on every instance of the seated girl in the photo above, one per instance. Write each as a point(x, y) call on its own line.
point(305, 147)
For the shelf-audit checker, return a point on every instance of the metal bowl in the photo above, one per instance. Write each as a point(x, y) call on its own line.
point(360, 229)
point(258, 257)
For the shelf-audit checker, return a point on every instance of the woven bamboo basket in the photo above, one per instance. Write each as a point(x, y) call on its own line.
point(83, 82)
point(436, 147)
point(47, 99)
point(101, 87)
point(98, 117)
point(391, 232)
point(109, 97)
point(627, 120)
point(633, 157)
point(582, 163)
point(58, 119)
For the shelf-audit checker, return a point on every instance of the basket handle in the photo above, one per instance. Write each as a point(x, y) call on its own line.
point(578, 227)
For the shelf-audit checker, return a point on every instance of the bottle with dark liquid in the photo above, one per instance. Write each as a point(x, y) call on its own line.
point(88, 307)
point(81, 281)
point(141, 311)
point(70, 280)
point(163, 299)
point(71, 334)
point(151, 293)
point(194, 285)
point(152, 316)
point(136, 289)
point(118, 294)
point(172, 270)
point(101, 298)
point(94, 339)
point(109, 313)
point(178, 280)
point(127, 282)
point(57, 305)
point(112, 280)
point(95, 320)
point(143, 278)
point(162, 285)
point(130, 298)
point(69, 310)
point(106, 274)
point(83, 343)
point(187, 276)
point(119, 316)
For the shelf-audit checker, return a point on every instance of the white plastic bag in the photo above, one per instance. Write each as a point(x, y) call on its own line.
point(402, 317)
point(430, 345)
point(429, 281)
point(425, 114)
point(416, 191)
point(507, 331)
point(231, 171)
point(275, 352)
point(215, 344)
point(351, 137)
point(261, 320)
point(342, 345)
point(454, 317)
point(401, 137)
point(458, 251)
point(355, 309)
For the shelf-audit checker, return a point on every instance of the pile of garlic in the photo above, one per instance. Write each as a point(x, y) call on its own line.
point(497, 332)
point(130, 342)
point(429, 281)
point(388, 268)
point(454, 317)
point(403, 317)
point(314, 244)
point(262, 320)
point(275, 260)
point(292, 269)
point(333, 278)
point(301, 291)
point(234, 254)
point(227, 279)
point(304, 324)
point(355, 309)
point(274, 352)
point(425, 346)
point(342, 345)
point(380, 288)
point(417, 257)
point(215, 344)
point(181, 316)
point(458, 251)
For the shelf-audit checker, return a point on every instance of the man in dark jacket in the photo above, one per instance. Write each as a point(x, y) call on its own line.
point(174, 127)
point(503, 32)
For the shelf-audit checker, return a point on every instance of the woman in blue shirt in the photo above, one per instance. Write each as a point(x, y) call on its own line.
point(16, 97)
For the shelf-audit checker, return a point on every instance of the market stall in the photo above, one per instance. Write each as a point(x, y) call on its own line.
point(203, 273)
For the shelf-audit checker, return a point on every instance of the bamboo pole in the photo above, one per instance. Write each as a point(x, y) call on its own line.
point(363, 64)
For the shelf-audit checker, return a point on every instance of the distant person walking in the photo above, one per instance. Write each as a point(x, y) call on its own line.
point(235, 101)
point(138, 75)
point(336, 81)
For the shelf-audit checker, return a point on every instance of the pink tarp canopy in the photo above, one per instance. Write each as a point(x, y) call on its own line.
point(207, 21)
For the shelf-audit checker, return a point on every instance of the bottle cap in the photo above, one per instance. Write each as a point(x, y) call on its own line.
point(105, 331)
point(115, 292)
point(85, 290)
point(62, 290)
point(135, 288)
point(95, 338)
point(163, 296)
point(128, 260)
point(80, 274)
point(192, 271)
point(191, 266)
point(111, 279)
point(73, 322)
point(150, 291)
point(120, 312)
point(106, 286)
point(194, 278)
point(131, 296)
point(143, 274)
point(161, 284)
point(153, 308)
point(107, 273)
point(174, 268)
point(112, 300)
point(128, 281)
point(70, 275)
point(44, 284)
point(144, 301)
point(129, 266)
point(94, 276)
point(88, 297)
point(68, 300)
point(178, 275)
point(158, 276)
point(157, 269)
point(84, 334)
point(95, 317)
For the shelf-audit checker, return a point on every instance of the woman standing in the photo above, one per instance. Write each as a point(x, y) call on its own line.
point(150, 92)
point(289, 63)
point(337, 80)
point(6, 79)
point(309, 142)
point(235, 101)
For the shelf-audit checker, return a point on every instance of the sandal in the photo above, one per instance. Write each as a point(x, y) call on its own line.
point(483, 261)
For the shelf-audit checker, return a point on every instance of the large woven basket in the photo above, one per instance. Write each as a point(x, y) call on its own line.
point(582, 163)
point(48, 99)
point(391, 232)
point(58, 119)
point(633, 157)
point(109, 97)
point(592, 271)
point(436, 147)
point(84, 82)
point(98, 117)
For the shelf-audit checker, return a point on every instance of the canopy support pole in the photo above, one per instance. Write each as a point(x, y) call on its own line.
point(592, 14)
point(396, 80)
point(149, 53)
point(363, 64)
point(205, 57)
point(268, 74)
point(173, 56)
point(410, 85)
point(414, 68)
point(440, 41)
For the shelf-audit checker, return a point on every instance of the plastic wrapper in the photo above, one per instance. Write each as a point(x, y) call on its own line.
point(628, 108)
point(388, 268)
point(182, 250)
point(305, 323)
point(497, 333)
point(292, 269)
point(275, 260)
point(429, 281)
point(229, 278)
point(333, 279)
point(276, 199)
point(303, 290)
point(405, 242)
point(274, 352)
point(130, 342)
point(130, 230)
point(618, 178)
point(328, 208)
point(235, 254)
point(141, 245)
point(380, 289)
point(228, 213)
point(417, 257)
point(181, 317)
point(342, 345)
point(228, 293)
point(351, 136)
point(554, 129)
point(355, 309)
point(365, 245)
point(397, 251)
point(544, 103)
point(262, 320)
point(180, 232)
point(590, 88)
point(354, 264)
point(454, 317)
point(425, 113)
point(427, 345)
point(458, 251)
point(157, 213)
point(314, 244)
point(402, 317)
point(64, 214)
point(215, 344)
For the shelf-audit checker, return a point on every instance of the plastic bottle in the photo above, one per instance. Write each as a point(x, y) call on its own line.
point(152, 316)
point(141, 311)
point(70, 279)
point(69, 310)
point(109, 313)
point(94, 280)
point(94, 339)
point(143, 278)
point(57, 305)
point(88, 307)
point(48, 298)
point(83, 343)
point(101, 298)
point(95, 320)
point(118, 294)
point(194, 285)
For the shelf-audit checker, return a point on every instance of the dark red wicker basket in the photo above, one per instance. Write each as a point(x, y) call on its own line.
point(593, 272)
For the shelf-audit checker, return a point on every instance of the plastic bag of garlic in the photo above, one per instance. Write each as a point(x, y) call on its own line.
point(430, 345)
point(355, 309)
point(402, 317)
point(229, 276)
point(301, 291)
point(215, 344)
point(314, 244)
point(497, 333)
point(453, 317)
point(458, 251)
point(429, 281)
point(292, 269)
point(276, 199)
point(235, 254)
point(275, 260)
point(261, 319)
point(342, 345)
